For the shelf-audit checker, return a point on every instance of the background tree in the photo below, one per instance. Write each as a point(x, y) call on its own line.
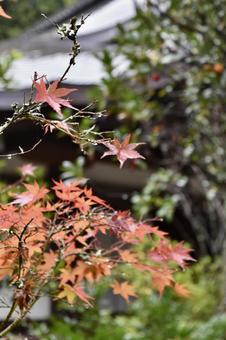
point(173, 97)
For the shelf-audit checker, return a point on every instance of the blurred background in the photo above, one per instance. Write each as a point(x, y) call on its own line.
point(158, 69)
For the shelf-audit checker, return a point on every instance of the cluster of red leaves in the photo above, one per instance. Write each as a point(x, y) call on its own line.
point(54, 234)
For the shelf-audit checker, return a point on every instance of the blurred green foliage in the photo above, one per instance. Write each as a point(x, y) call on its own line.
point(26, 13)
point(5, 64)
point(165, 80)
point(149, 317)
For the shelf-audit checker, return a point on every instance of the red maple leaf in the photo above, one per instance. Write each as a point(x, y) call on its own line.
point(165, 252)
point(52, 95)
point(4, 14)
point(122, 151)
point(124, 289)
point(180, 254)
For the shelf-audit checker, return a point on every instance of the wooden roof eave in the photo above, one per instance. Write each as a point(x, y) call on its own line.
point(80, 8)
point(50, 43)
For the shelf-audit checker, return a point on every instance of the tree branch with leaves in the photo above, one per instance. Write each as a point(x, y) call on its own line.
point(50, 236)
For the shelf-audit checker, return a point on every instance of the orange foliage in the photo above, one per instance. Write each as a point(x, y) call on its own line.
point(56, 237)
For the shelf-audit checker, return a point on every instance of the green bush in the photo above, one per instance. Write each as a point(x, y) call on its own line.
point(151, 316)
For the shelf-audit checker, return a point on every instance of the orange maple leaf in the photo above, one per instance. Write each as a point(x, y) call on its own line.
point(67, 274)
point(52, 95)
point(161, 278)
point(181, 290)
point(49, 261)
point(34, 193)
point(8, 216)
point(124, 289)
point(4, 14)
point(122, 151)
point(67, 191)
point(128, 256)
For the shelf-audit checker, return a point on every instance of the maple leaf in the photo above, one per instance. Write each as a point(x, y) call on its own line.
point(161, 278)
point(122, 151)
point(8, 216)
point(27, 169)
point(165, 252)
point(49, 261)
point(82, 295)
point(67, 274)
point(67, 292)
point(181, 290)
point(128, 256)
point(4, 14)
point(33, 193)
point(180, 254)
point(67, 191)
point(70, 294)
point(157, 232)
point(89, 194)
point(124, 289)
point(52, 95)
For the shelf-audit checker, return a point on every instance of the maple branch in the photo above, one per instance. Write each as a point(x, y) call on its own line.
point(23, 314)
point(32, 110)
point(8, 316)
point(21, 152)
point(70, 31)
point(20, 249)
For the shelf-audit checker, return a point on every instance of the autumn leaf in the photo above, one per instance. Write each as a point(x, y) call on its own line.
point(4, 14)
point(8, 216)
point(89, 194)
point(67, 293)
point(122, 151)
point(49, 261)
point(124, 289)
point(128, 256)
point(33, 193)
point(83, 296)
point(67, 191)
point(166, 252)
point(67, 274)
point(27, 170)
point(52, 95)
point(181, 290)
point(180, 254)
point(161, 278)
point(157, 232)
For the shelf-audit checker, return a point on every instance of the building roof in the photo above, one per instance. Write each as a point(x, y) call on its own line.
point(45, 53)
